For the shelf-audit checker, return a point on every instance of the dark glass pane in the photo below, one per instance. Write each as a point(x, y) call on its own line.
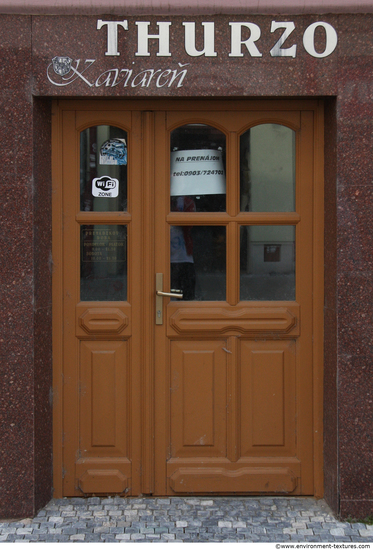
point(267, 169)
point(267, 257)
point(198, 262)
point(198, 167)
point(103, 263)
point(103, 169)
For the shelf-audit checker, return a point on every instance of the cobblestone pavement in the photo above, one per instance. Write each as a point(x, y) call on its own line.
point(226, 519)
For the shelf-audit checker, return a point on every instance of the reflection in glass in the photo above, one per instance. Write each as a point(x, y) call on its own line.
point(103, 169)
point(103, 263)
point(198, 166)
point(267, 169)
point(267, 262)
point(198, 262)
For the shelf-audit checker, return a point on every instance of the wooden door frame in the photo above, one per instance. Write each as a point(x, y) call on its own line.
point(148, 107)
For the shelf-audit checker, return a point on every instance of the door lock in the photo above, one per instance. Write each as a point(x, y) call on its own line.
point(159, 294)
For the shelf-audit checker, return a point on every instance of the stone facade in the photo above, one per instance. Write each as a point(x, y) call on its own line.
point(343, 78)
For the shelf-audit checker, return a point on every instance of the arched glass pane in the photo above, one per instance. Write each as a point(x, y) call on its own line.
point(197, 169)
point(103, 169)
point(267, 169)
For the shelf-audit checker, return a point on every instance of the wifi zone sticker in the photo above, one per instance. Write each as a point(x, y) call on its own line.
point(105, 186)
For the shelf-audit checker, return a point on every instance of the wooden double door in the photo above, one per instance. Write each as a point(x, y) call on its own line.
point(216, 388)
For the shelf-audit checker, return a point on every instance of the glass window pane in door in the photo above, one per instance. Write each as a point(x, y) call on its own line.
point(267, 262)
point(267, 169)
point(198, 262)
point(198, 168)
point(103, 263)
point(103, 169)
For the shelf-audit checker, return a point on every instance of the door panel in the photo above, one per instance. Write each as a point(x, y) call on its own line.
point(101, 228)
point(104, 397)
point(190, 319)
point(268, 398)
point(255, 445)
point(198, 398)
point(215, 395)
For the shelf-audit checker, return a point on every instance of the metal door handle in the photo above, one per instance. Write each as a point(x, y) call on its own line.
point(173, 294)
point(159, 294)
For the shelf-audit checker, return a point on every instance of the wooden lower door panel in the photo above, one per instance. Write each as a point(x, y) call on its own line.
point(232, 416)
point(267, 398)
point(225, 477)
point(198, 398)
point(104, 461)
point(103, 476)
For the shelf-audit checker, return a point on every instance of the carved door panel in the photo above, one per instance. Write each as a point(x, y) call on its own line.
point(234, 355)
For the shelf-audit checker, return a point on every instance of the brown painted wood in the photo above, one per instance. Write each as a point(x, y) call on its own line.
point(271, 415)
point(101, 411)
point(223, 397)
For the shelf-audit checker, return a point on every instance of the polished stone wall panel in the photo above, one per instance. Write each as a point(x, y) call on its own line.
point(16, 271)
point(330, 308)
point(42, 302)
point(354, 252)
point(356, 420)
point(16, 434)
point(207, 76)
point(355, 326)
point(355, 229)
point(356, 508)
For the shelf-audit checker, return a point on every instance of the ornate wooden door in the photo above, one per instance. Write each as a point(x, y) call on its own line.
point(100, 310)
point(234, 360)
point(213, 389)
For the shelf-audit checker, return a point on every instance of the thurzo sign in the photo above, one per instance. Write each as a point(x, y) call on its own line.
point(244, 41)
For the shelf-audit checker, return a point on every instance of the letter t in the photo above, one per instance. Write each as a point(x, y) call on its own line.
point(112, 34)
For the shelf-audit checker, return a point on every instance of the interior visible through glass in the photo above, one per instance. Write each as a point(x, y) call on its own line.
point(267, 169)
point(198, 262)
point(267, 262)
point(103, 263)
point(198, 168)
point(103, 169)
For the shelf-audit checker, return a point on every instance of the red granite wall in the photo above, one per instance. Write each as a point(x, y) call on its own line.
point(42, 302)
point(354, 274)
point(331, 486)
point(25, 275)
point(17, 270)
point(345, 79)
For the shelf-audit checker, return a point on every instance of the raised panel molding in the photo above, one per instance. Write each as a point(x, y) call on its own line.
point(103, 482)
point(245, 320)
point(103, 320)
point(104, 394)
point(198, 398)
point(267, 395)
point(242, 480)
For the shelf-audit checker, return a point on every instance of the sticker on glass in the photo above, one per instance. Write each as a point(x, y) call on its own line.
point(105, 186)
point(114, 152)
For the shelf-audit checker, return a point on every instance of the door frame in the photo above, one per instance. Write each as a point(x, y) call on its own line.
point(147, 420)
